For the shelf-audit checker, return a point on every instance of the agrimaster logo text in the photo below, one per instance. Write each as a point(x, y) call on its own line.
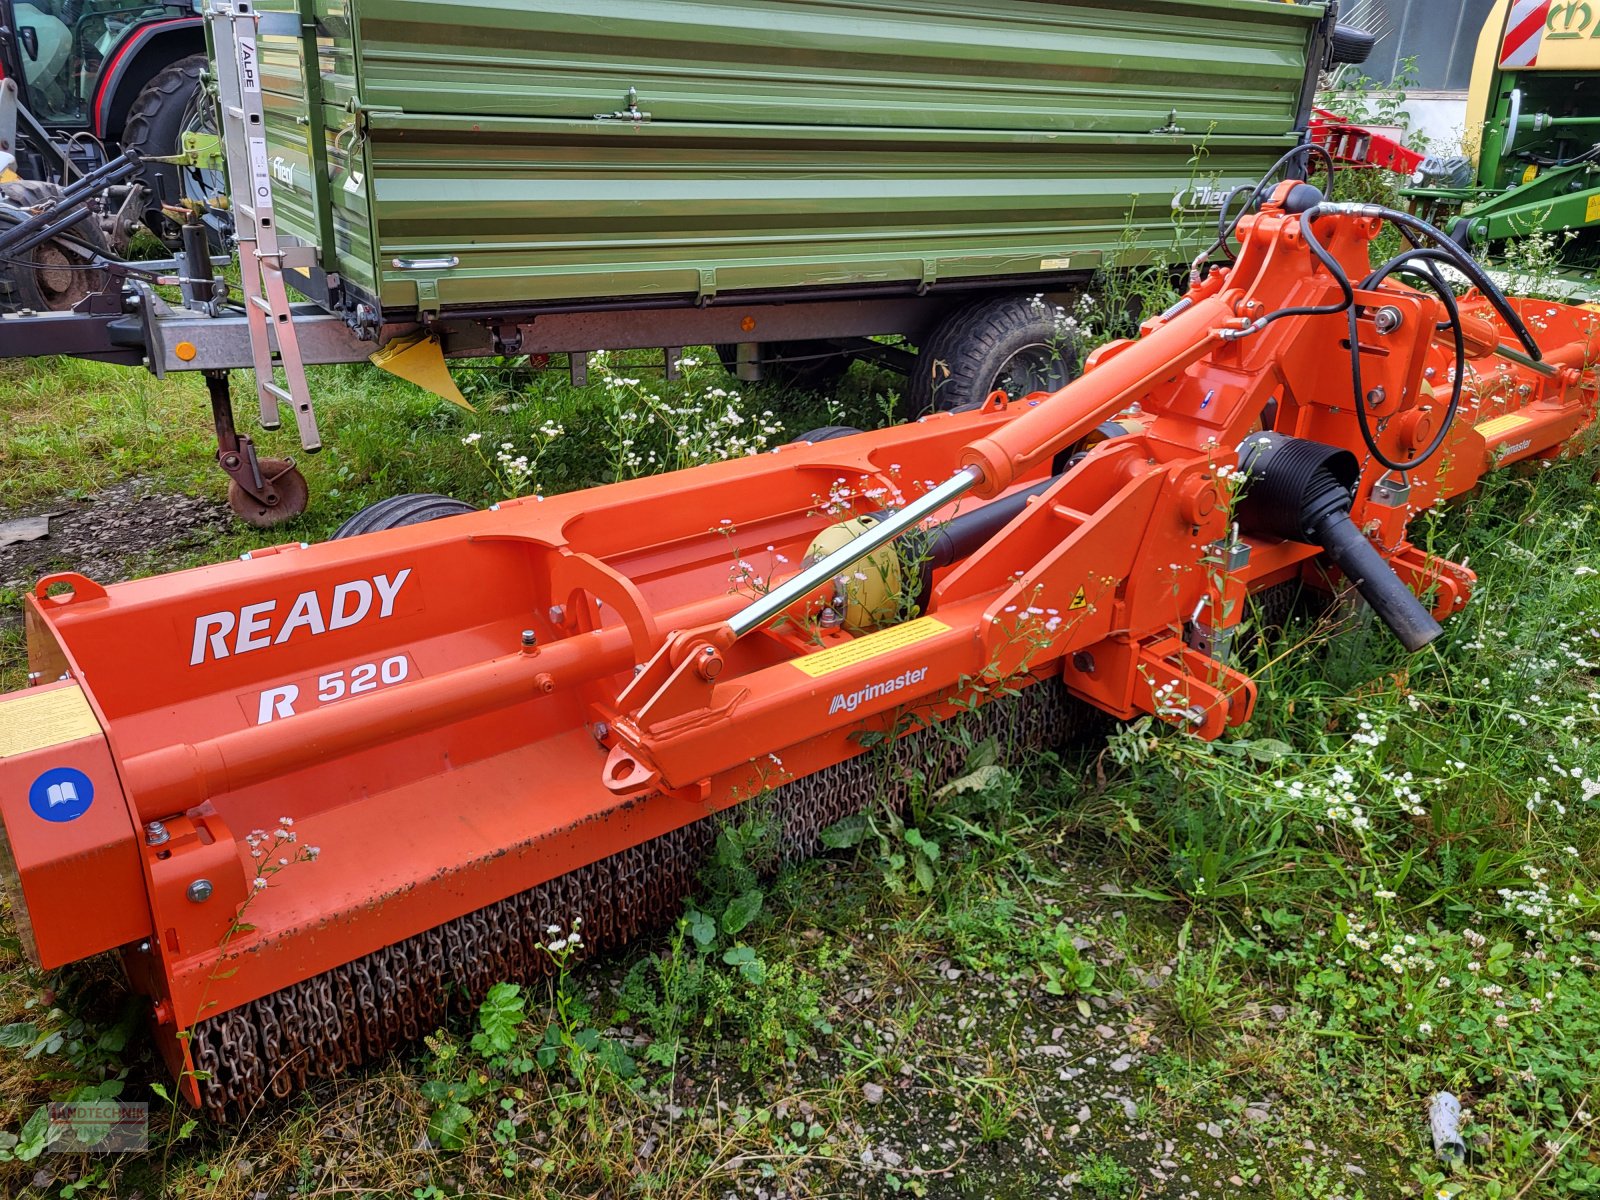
point(849, 703)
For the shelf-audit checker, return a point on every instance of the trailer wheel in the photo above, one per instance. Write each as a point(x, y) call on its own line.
point(1013, 344)
point(413, 508)
point(173, 103)
point(288, 486)
point(53, 276)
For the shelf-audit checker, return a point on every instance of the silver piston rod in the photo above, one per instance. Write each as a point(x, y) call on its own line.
point(820, 572)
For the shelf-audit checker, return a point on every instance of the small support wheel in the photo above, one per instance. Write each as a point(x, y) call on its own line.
point(284, 485)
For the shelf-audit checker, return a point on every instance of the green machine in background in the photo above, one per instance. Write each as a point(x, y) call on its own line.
point(1533, 144)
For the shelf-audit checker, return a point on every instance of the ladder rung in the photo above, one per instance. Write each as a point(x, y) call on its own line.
point(261, 303)
point(282, 393)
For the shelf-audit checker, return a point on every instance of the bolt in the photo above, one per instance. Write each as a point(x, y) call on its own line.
point(529, 639)
point(200, 891)
point(1376, 397)
point(601, 731)
point(707, 651)
point(1387, 319)
point(155, 834)
point(557, 614)
point(144, 947)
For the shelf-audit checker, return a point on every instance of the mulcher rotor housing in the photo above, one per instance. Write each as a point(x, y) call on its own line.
point(503, 720)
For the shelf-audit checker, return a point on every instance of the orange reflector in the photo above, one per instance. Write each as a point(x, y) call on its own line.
point(186, 351)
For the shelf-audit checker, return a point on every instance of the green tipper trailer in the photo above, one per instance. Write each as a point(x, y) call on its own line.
point(787, 175)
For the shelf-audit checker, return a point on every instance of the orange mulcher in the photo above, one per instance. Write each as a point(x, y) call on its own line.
point(503, 720)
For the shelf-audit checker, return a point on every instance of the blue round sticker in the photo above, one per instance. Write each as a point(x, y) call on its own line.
point(61, 794)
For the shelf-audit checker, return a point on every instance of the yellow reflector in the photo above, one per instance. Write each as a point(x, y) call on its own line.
point(420, 360)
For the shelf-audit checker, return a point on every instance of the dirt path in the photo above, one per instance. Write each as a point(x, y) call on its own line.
point(127, 530)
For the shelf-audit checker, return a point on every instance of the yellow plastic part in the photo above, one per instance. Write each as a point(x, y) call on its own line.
point(1485, 64)
point(872, 586)
point(420, 360)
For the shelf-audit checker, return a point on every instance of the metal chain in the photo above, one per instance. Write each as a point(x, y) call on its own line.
point(361, 1010)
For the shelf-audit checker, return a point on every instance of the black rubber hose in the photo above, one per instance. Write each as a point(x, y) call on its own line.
point(1224, 232)
point(1464, 263)
point(1409, 261)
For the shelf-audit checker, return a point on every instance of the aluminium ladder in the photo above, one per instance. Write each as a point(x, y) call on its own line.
point(274, 345)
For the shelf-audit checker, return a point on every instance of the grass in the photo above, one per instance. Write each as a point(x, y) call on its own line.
point(1382, 887)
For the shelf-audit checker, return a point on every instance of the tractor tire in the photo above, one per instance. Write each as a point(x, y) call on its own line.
point(173, 103)
point(826, 433)
point(51, 277)
point(813, 367)
point(413, 508)
point(1005, 343)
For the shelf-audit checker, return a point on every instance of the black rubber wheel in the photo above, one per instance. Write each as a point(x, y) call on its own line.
point(1350, 44)
point(827, 433)
point(413, 508)
point(54, 276)
point(173, 103)
point(804, 366)
point(1007, 343)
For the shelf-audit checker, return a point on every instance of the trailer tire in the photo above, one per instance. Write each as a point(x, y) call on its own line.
point(173, 103)
point(1008, 343)
point(51, 277)
point(413, 508)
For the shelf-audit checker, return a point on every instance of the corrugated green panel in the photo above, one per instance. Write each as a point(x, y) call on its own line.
point(790, 142)
point(566, 210)
point(939, 64)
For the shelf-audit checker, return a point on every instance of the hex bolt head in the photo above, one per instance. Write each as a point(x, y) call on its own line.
point(155, 834)
point(557, 614)
point(200, 891)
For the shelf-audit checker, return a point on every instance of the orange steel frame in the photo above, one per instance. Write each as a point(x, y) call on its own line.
point(451, 763)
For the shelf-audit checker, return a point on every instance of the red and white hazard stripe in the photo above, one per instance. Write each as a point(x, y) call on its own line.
point(1524, 31)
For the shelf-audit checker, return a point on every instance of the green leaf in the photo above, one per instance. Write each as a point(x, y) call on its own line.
point(448, 1126)
point(751, 969)
point(160, 1089)
point(923, 869)
point(1500, 950)
point(980, 780)
point(1266, 750)
point(35, 1135)
point(985, 754)
point(741, 911)
point(701, 928)
point(842, 835)
point(18, 1034)
point(498, 1017)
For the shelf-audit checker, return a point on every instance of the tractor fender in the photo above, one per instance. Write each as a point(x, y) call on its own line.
point(143, 52)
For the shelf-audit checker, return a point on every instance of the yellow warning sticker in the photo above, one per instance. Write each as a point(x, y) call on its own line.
point(1502, 425)
point(1079, 600)
point(39, 720)
point(1591, 211)
point(860, 649)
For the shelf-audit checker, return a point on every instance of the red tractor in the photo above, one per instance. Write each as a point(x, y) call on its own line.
point(84, 80)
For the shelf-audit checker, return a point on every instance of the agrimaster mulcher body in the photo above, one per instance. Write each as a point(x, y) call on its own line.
point(498, 721)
